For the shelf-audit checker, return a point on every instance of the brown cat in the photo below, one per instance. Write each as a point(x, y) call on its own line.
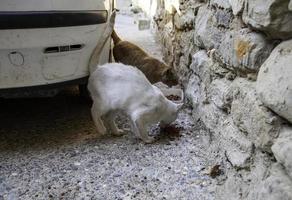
point(130, 54)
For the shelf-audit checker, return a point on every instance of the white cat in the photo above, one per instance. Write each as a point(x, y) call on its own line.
point(117, 87)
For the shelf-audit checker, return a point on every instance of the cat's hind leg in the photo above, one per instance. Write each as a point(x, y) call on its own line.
point(109, 121)
point(96, 116)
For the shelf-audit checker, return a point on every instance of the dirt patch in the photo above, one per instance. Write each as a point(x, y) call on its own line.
point(171, 130)
point(214, 171)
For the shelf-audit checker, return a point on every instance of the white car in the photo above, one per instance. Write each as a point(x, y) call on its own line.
point(47, 44)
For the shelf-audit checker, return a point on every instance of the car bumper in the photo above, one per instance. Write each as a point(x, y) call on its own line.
point(33, 55)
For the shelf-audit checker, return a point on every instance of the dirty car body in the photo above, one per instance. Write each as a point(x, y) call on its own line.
point(48, 44)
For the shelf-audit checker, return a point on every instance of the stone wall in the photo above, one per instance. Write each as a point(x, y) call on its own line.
point(234, 59)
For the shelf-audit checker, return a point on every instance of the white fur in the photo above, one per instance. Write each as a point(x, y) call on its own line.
point(118, 87)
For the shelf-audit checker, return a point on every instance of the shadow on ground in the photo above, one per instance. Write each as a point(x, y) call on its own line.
point(39, 122)
point(49, 149)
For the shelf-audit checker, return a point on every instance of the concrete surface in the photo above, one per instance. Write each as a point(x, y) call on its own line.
point(127, 29)
point(49, 150)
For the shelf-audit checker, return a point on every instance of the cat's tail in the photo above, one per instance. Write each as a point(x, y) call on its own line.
point(95, 56)
point(115, 37)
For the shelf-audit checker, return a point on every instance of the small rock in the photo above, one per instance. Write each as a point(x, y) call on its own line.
point(14, 174)
point(77, 163)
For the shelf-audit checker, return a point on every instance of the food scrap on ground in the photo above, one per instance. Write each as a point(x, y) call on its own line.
point(171, 130)
point(214, 171)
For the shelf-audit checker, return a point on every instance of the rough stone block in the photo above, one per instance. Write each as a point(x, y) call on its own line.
point(238, 147)
point(185, 21)
point(274, 84)
point(282, 149)
point(276, 186)
point(186, 47)
point(219, 94)
point(269, 16)
point(244, 50)
point(207, 35)
point(201, 66)
point(193, 91)
point(260, 125)
point(211, 115)
point(237, 6)
point(225, 4)
point(199, 81)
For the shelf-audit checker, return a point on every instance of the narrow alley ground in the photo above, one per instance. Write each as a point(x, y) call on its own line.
point(49, 150)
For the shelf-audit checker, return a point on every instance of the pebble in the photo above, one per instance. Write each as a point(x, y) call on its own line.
point(77, 163)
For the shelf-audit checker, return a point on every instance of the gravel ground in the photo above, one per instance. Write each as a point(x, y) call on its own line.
point(49, 150)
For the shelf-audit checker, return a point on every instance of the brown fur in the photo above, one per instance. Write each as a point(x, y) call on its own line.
point(130, 54)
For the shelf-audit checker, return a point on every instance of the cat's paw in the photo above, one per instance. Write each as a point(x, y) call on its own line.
point(119, 132)
point(148, 140)
point(101, 131)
